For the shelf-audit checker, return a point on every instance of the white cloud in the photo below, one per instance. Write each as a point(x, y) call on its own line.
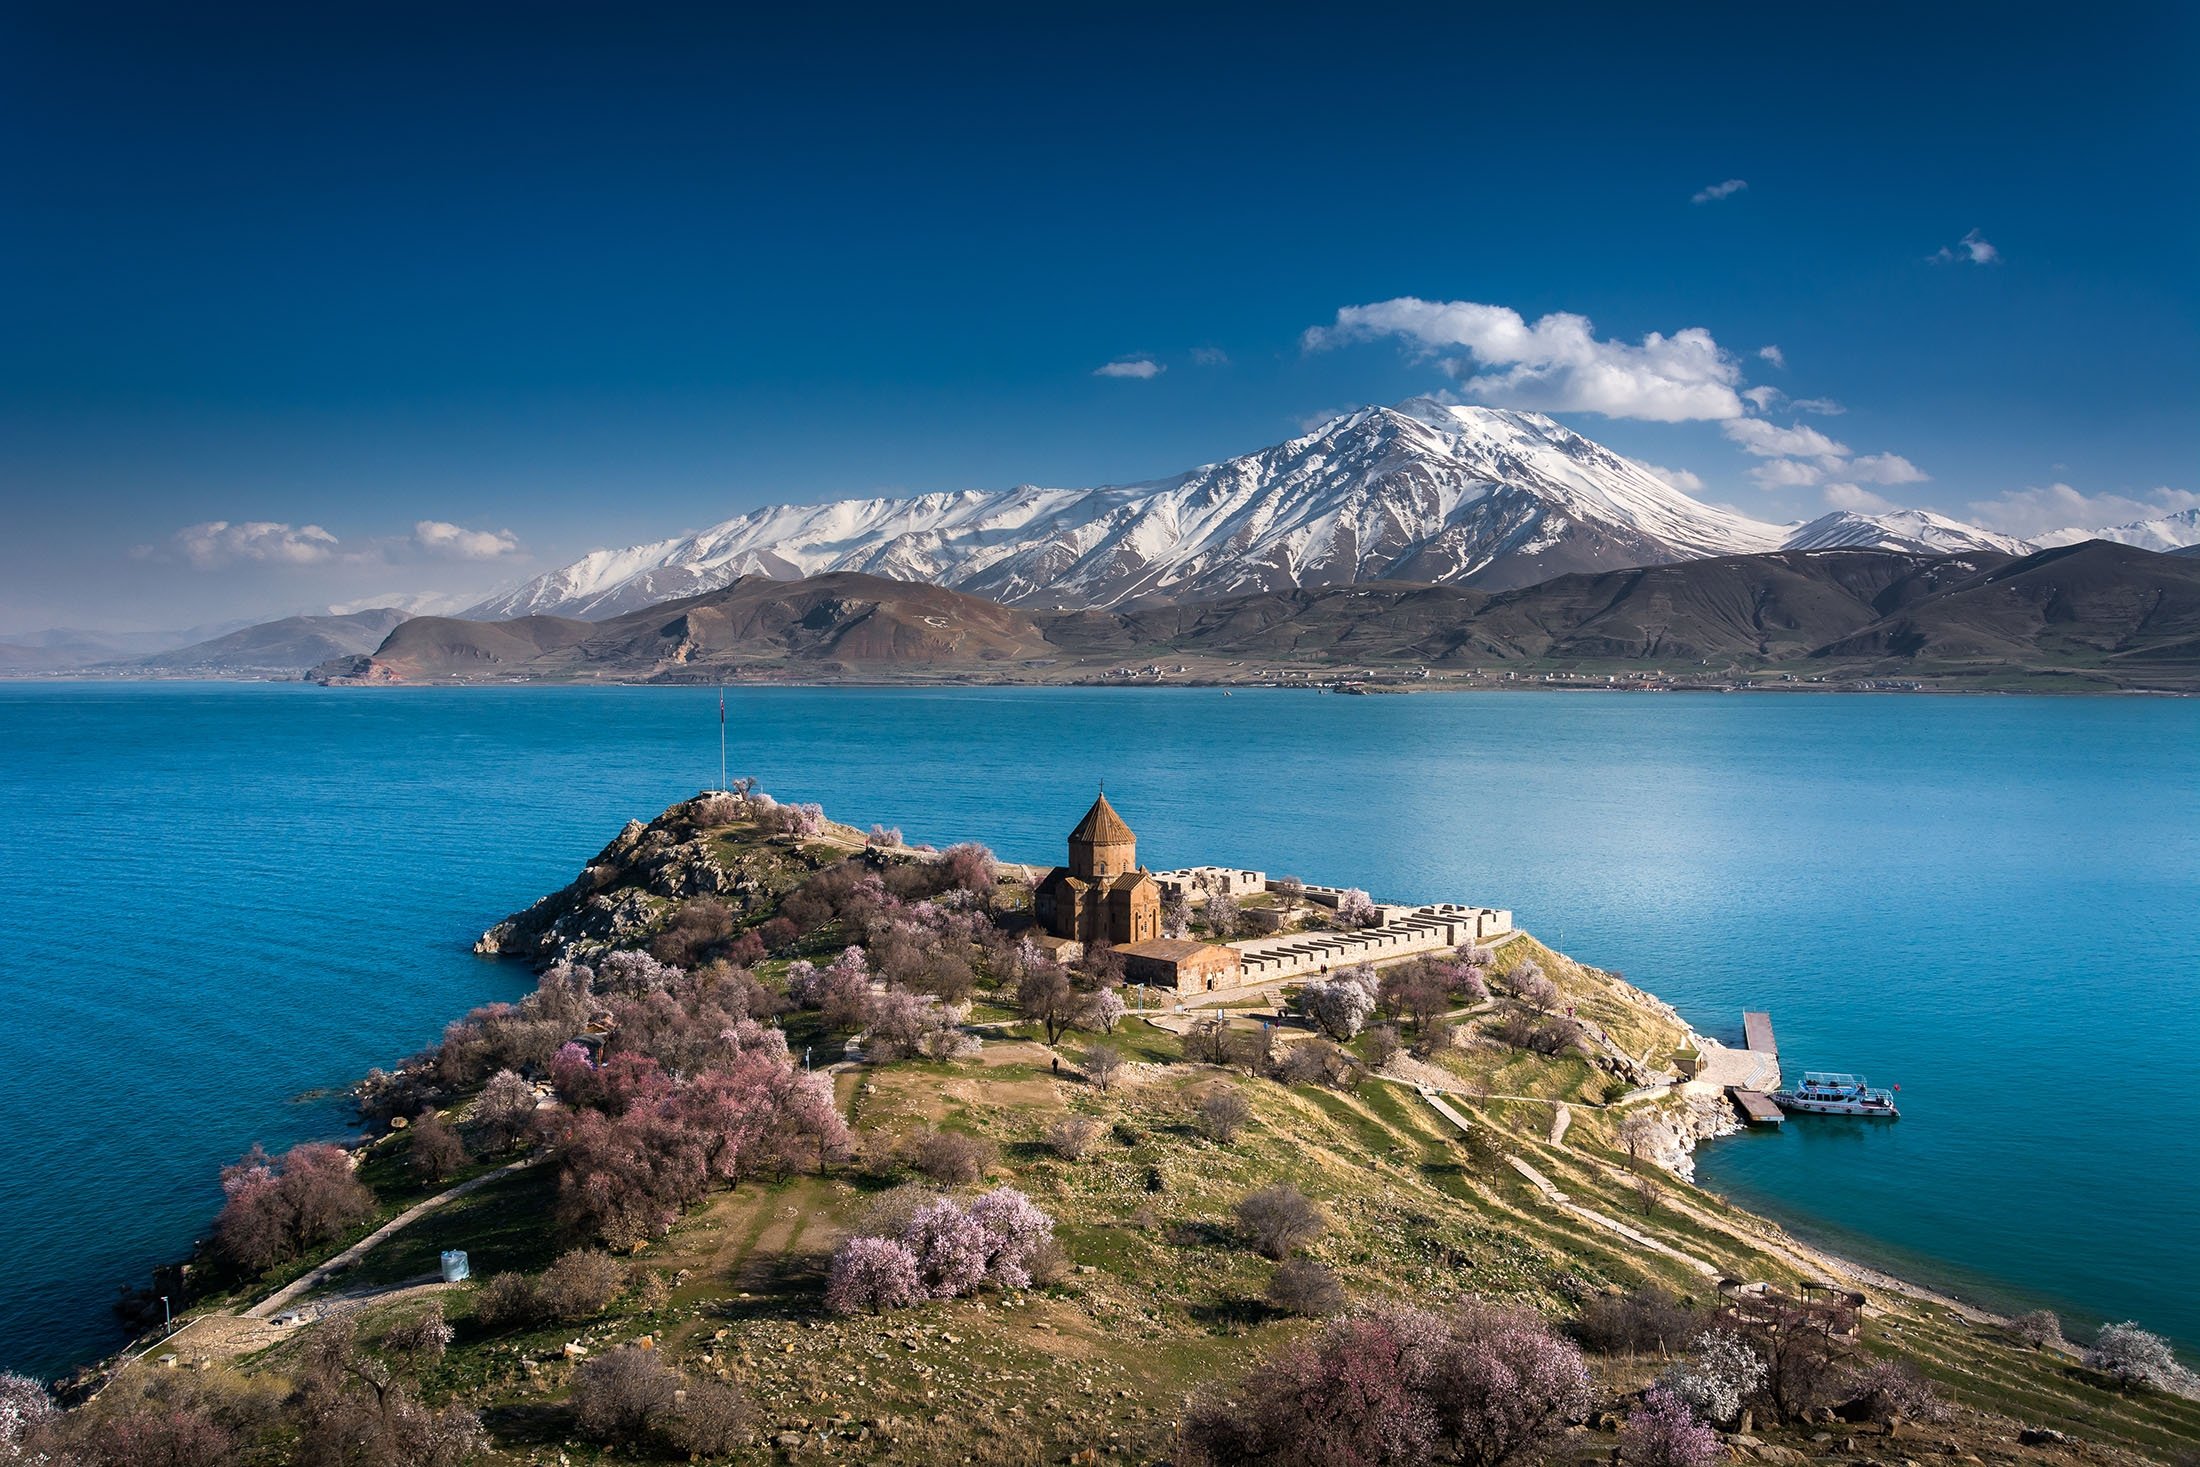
point(1774, 355)
point(453, 542)
point(1855, 497)
point(1679, 479)
point(1769, 440)
point(1886, 468)
point(1719, 191)
point(1825, 407)
point(2035, 511)
point(1763, 399)
point(1555, 365)
point(1210, 356)
point(1140, 368)
point(218, 543)
point(1788, 473)
point(1971, 249)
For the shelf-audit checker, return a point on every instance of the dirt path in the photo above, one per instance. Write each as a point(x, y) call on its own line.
point(313, 1278)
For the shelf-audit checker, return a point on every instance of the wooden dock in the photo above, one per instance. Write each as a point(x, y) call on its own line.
point(1756, 1106)
point(1757, 1032)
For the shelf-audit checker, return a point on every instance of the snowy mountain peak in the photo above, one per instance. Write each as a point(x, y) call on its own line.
point(1918, 531)
point(2166, 532)
point(1422, 491)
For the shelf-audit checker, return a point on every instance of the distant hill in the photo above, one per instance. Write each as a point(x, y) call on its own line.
point(290, 645)
point(2110, 612)
point(830, 625)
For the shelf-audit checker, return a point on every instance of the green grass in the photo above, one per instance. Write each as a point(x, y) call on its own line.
point(505, 1226)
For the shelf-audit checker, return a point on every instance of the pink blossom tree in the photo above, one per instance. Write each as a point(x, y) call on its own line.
point(872, 1274)
point(1663, 1433)
point(1355, 908)
point(1015, 1230)
point(953, 1250)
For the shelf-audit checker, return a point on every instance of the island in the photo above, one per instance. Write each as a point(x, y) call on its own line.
point(812, 1144)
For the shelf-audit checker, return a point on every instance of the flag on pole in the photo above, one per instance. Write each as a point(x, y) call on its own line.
point(721, 707)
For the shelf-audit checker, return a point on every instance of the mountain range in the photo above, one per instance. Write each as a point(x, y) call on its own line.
point(1425, 491)
point(2094, 615)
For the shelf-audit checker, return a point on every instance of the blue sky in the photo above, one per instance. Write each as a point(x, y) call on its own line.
point(540, 278)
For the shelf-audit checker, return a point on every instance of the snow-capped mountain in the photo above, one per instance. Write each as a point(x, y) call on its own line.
point(1918, 531)
point(1424, 491)
point(2168, 532)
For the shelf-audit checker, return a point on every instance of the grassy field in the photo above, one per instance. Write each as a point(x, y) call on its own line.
point(1163, 1294)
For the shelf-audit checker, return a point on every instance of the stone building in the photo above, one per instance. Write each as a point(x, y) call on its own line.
point(1103, 895)
point(1182, 965)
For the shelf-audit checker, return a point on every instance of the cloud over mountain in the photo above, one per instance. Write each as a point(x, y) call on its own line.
point(1556, 364)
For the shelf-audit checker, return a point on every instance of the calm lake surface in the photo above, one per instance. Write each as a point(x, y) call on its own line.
point(225, 902)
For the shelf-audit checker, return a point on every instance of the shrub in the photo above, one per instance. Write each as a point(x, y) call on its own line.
point(2039, 1329)
point(951, 1158)
point(1103, 1065)
point(1301, 1286)
point(1072, 1136)
point(2137, 1359)
point(1889, 1391)
point(620, 1397)
point(1644, 1320)
point(1556, 1035)
point(434, 1151)
point(1222, 1114)
point(1316, 1062)
point(1662, 1433)
point(887, 1215)
point(504, 1299)
point(580, 1285)
point(872, 1274)
point(1718, 1380)
point(1434, 1037)
point(711, 1421)
point(1280, 1219)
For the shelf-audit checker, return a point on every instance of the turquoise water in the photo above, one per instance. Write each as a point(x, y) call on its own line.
point(224, 899)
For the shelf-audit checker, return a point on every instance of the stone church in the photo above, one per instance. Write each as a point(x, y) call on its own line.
point(1103, 895)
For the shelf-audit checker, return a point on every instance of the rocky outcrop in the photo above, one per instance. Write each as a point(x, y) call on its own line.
point(633, 886)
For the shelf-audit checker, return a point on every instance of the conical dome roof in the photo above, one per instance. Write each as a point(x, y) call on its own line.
point(1101, 825)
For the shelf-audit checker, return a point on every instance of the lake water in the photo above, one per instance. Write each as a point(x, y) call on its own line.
point(224, 901)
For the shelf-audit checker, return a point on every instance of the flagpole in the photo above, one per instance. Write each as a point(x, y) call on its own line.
point(721, 738)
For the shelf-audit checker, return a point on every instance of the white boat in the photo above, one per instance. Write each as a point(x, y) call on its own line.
point(1828, 1093)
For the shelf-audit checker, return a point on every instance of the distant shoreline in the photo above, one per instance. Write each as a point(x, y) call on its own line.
point(1575, 683)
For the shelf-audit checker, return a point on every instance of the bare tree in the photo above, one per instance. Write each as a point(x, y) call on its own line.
point(1103, 1066)
point(1223, 1114)
point(1301, 1286)
point(1280, 1219)
point(1642, 1134)
point(951, 1158)
point(1046, 995)
point(1072, 1136)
